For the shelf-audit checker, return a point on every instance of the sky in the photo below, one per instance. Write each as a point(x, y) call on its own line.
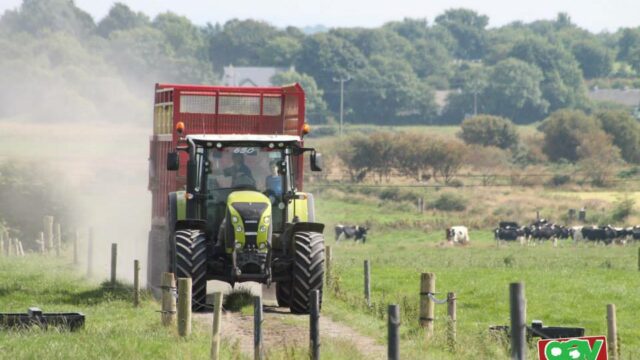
point(594, 15)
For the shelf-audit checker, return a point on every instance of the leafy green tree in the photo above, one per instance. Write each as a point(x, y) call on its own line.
point(468, 28)
point(121, 17)
point(185, 39)
point(412, 29)
point(563, 131)
point(41, 16)
point(629, 41)
point(326, 57)
point(625, 132)
point(239, 42)
point(280, 51)
point(487, 130)
point(595, 59)
point(389, 92)
point(316, 108)
point(563, 84)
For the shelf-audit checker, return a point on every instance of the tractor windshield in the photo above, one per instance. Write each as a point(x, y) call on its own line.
point(260, 169)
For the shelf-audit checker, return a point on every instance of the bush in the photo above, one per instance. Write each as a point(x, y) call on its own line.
point(488, 130)
point(559, 180)
point(563, 131)
point(622, 210)
point(449, 201)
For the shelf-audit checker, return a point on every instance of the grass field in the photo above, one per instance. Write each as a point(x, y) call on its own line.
point(565, 286)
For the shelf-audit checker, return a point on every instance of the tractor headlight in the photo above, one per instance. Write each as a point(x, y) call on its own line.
point(263, 228)
point(266, 220)
point(234, 219)
point(238, 245)
point(239, 228)
point(263, 246)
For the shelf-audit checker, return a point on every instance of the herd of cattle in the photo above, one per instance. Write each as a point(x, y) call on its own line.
point(544, 230)
point(510, 231)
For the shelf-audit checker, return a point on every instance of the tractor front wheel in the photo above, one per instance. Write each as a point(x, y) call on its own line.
point(191, 261)
point(308, 270)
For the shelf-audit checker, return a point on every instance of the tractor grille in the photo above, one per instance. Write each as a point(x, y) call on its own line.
point(250, 213)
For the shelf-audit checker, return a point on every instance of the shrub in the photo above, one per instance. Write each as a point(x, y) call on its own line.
point(622, 210)
point(559, 180)
point(449, 201)
point(563, 131)
point(488, 130)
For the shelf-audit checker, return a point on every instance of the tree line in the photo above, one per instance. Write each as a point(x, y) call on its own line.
point(595, 145)
point(521, 71)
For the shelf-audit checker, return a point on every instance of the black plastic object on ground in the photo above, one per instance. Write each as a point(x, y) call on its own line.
point(35, 317)
point(544, 332)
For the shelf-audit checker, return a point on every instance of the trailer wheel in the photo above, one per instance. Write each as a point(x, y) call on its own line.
point(283, 293)
point(308, 269)
point(191, 261)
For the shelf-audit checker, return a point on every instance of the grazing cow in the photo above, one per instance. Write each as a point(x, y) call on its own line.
point(605, 234)
point(458, 235)
point(576, 233)
point(635, 232)
point(356, 232)
point(508, 231)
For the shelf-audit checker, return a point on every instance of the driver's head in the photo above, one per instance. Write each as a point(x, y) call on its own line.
point(238, 159)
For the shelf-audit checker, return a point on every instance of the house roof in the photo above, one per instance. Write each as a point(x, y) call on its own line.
point(628, 97)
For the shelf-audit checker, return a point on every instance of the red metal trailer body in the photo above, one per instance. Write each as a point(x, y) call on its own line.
point(215, 110)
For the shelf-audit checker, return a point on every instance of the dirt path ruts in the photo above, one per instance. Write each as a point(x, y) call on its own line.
point(283, 329)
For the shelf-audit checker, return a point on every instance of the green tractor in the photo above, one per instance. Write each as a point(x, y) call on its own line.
point(242, 218)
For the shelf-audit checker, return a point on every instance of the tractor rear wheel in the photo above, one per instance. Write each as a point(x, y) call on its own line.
point(191, 261)
point(308, 270)
point(283, 293)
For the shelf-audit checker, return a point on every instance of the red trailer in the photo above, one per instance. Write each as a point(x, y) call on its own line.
point(197, 109)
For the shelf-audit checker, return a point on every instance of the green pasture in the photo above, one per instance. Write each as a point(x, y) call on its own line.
point(565, 286)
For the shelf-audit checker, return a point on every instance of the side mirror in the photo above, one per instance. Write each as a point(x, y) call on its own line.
point(173, 161)
point(316, 161)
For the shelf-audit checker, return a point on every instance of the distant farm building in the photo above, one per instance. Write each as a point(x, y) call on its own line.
point(250, 75)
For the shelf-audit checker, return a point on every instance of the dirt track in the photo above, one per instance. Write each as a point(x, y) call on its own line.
point(283, 329)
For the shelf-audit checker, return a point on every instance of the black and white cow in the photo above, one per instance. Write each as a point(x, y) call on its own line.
point(508, 231)
point(457, 235)
point(356, 232)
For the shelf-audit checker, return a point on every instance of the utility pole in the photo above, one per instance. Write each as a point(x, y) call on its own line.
point(342, 80)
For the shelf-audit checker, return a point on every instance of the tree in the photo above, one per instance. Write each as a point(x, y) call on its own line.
point(598, 157)
point(486, 161)
point(629, 40)
point(625, 132)
point(356, 155)
point(316, 108)
point(468, 28)
point(487, 130)
point(595, 59)
point(38, 17)
point(563, 131)
point(120, 17)
point(280, 51)
point(239, 42)
point(445, 158)
point(185, 39)
point(410, 151)
point(563, 84)
point(326, 57)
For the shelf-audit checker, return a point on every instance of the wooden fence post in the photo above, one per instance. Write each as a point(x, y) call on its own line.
point(612, 332)
point(427, 306)
point(16, 243)
point(328, 258)
point(217, 317)
point(314, 325)
point(367, 282)
point(75, 247)
point(518, 321)
point(10, 248)
point(48, 229)
point(2, 253)
point(451, 312)
point(168, 300)
point(393, 325)
point(114, 263)
point(136, 283)
point(257, 328)
point(90, 254)
point(20, 248)
point(184, 306)
point(58, 239)
point(43, 246)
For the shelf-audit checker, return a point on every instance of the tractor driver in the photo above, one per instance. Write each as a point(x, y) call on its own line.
point(239, 172)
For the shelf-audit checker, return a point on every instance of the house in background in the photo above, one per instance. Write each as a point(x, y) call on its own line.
point(627, 97)
point(250, 75)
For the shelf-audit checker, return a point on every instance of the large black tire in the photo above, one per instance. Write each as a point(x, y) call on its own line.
point(191, 261)
point(283, 293)
point(308, 270)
